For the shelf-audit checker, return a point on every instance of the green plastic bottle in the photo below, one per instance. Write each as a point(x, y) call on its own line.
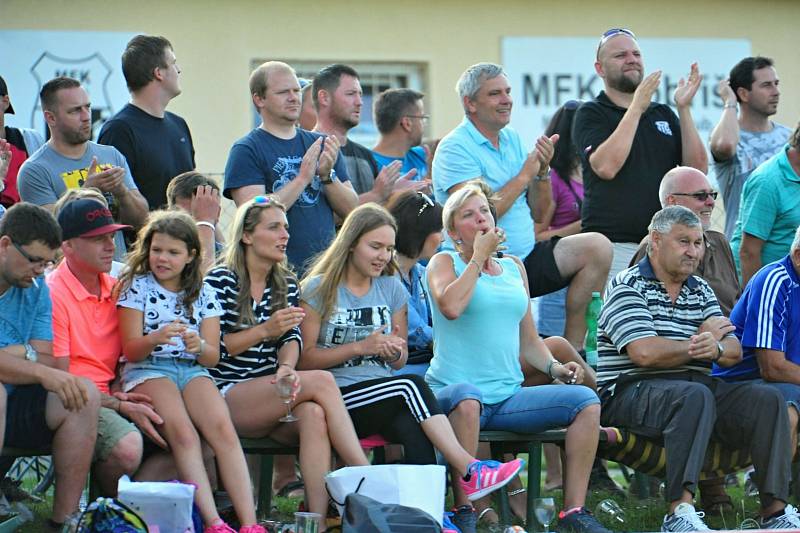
point(592, 314)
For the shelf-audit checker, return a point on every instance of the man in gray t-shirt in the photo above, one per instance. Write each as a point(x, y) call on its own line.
point(739, 145)
point(69, 160)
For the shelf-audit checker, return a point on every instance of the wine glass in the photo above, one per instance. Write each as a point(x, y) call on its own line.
point(610, 509)
point(285, 387)
point(545, 511)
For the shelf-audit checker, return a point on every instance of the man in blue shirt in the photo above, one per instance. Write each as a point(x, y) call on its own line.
point(484, 146)
point(400, 118)
point(43, 406)
point(767, 320)
point(303, 169)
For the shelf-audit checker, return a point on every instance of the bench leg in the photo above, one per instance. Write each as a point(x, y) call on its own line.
point(265, 487)
point(502, 494)
point(534, 482)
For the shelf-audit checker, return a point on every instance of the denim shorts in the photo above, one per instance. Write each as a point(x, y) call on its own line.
point(179, 371)
point(539, 408)
point(452, 395)
point(790, 391)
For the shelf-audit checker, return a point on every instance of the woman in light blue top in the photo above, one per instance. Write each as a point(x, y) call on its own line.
point(483, 327)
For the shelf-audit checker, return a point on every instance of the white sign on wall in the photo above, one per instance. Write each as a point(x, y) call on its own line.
point(31, 58)
point(545, 72)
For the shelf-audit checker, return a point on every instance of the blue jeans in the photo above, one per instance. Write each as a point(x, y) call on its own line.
point(536, 409)
point(450, 396)
point(179, 371)
point(550, 313)
point(790, 391)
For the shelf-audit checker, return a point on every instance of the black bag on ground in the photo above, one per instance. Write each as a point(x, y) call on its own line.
point(362, 514)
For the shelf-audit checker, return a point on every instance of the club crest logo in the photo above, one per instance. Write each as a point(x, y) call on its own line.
point(92, 71)
point(663, 127)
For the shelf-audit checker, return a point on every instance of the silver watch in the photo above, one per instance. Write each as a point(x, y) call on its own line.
point(30, 353)
point(720, 352)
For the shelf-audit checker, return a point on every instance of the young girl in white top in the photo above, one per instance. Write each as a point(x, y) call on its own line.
point(169, 323)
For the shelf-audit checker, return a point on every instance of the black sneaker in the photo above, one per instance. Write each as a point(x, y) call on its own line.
point(581, 521)
point(15, 493)
point(465, 519)
point(600, 480)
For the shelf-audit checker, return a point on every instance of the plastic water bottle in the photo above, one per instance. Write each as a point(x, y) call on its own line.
point(592, 314)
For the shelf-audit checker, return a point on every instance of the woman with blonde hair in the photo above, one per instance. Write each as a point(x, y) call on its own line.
point(261, 345)
point(483, 326)
point(355, 327)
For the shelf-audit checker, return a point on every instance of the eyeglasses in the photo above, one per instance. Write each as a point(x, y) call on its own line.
point(702, 195)
point(262, 200)
point(427, 202)
point(423, 117)
point(35, 261)
point(611, 33)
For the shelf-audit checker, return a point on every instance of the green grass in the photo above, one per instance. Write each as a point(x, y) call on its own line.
point(640, 515)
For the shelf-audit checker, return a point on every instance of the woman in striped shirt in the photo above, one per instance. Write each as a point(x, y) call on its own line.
point(261, 344)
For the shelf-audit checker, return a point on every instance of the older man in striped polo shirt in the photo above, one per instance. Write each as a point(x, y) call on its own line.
point(660, 331)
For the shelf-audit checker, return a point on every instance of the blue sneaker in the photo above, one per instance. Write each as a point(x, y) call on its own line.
point(465, 519)
point(448, 526)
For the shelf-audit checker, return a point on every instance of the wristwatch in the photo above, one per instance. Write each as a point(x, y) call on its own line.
point(30, 353)
point(326, 180)
point(720, 352)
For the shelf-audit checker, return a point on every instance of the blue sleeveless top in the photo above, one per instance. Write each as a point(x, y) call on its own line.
point(481, 346)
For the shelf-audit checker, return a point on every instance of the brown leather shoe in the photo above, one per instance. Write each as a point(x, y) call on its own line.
point(713, 498)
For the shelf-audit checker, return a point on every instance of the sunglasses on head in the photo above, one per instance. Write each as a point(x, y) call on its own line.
point(702, 195)
point(261, 200)
point(427, 202)
point(611, 33)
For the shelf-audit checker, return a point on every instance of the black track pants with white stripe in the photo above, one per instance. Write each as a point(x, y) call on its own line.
point(393, 407)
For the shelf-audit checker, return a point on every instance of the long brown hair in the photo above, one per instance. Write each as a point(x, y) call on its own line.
point(177, 225)
point(247, 218)
point(332, 263)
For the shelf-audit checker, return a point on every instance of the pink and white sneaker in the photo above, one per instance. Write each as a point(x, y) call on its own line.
point(488, 476)
point(255, 528)
point(219, 526)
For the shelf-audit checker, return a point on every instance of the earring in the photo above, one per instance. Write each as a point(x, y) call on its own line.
point(459, 242)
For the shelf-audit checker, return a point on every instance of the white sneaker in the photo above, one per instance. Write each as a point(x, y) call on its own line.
point(685, 518)
point(788, 520)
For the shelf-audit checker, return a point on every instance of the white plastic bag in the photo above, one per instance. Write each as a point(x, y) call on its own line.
point(420, 486)
point(168, 506)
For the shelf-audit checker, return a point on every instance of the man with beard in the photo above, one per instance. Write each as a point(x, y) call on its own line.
point(400, 118)
point(303, 169)
point(70, 160)
point(627, 143)
point(739, 145)
point(156, 143)
point(337, 98)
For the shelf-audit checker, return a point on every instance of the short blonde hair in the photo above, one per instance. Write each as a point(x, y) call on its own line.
point(459, 198)
point(71, 195)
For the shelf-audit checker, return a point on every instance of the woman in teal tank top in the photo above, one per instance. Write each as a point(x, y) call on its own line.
point(483, 327)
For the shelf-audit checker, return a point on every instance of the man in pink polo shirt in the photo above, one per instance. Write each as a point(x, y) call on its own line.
point(86, 340)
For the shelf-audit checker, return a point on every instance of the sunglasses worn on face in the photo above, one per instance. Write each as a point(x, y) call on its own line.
point(702, 195)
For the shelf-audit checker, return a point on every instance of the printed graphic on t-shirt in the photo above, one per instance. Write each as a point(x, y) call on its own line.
point(286, 169)
point(74, 179)
point(355, 324)
point(663, 127)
